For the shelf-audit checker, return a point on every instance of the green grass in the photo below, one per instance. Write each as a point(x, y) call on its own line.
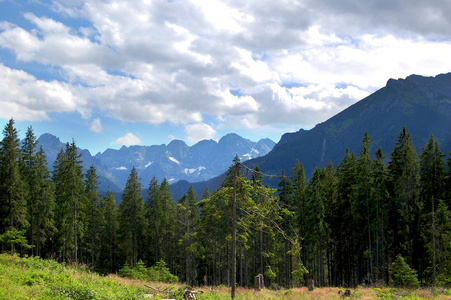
point(35, 278)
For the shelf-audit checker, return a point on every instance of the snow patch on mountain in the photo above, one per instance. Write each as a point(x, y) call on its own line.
point(254, 153)
point(174, 160)
point(191, 171)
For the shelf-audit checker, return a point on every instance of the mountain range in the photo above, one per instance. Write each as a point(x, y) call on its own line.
point(175, 161)
point(422, 104)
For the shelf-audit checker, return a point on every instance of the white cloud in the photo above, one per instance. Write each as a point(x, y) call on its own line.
point(96, 125)
point(199, 131)
point(127, 140)
point(26, 98)
point(293, 62)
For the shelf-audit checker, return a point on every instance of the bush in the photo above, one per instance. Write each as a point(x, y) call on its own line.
point(159, 272)
point(402, 275)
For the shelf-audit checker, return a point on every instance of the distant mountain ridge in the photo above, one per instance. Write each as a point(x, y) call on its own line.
point(175, 161)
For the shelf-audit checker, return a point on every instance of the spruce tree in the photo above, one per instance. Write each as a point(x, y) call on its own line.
point(69, 198)
point(404, 213)
point(431, 191)
point(132, 219)
point(13, 205)
point(153, 209)
point(402, 275)
point(109, 231)
point(188, 219)
point(44, 205)
point(30, 176)
point(93, 214)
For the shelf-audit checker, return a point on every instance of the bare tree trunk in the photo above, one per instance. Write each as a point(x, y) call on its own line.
point(232, 294)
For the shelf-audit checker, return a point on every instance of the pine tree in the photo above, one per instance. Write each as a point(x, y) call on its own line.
point(299, 186)
point(29, 174)
point(431, 190)
point(402, 275)
point(316, 227)
point(287, 202)
point(44, 212)
point(188, 219)
point(381, 198)
point(448, 182)
point(13, 205)
point(364, 203)
point(153, 210)
point(69, 198)
point(109, 231)
point(442, 248)
point(342, 221)
point(161, 211)
point(404, 168)
point(93, 214)
point(132, 219)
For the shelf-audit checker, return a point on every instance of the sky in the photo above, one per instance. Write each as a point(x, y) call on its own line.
point(109, 73)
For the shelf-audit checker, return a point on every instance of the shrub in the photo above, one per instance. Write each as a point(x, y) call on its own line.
point(159, 272)
point(402, 275)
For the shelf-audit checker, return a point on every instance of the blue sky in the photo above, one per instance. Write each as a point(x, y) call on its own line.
point(113, 73)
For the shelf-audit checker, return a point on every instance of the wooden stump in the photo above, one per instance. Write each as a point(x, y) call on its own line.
point(259, 282)
point(311, 284)
point(190, 295)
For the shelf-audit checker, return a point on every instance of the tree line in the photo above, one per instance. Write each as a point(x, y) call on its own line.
point(346, 225)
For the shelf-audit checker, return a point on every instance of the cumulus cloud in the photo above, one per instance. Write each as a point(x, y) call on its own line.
point(96, 125)
point(244, 63)
point(199, 131)
point(26, 98)
point(127, 140)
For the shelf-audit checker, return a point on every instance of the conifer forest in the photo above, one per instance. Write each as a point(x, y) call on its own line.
point(345, 225)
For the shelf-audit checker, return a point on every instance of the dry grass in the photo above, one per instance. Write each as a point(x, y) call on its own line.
point(323, 293)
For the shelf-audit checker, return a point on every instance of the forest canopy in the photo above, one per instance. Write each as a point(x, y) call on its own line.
point(374, 218)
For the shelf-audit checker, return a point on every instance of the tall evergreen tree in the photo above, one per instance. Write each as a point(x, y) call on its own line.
point(431, 191)
point(13, 205)
point(29, 174)
point(132, 219)
point(404, 214)
point(93, 215)
point(44, 206)
point(188, 219)
point(154, 208)
point(381, 198)
point(299, 186)
point(69, 197)
point(316, 237)
point(364, 203)
point(109, 232)
point(343, 231)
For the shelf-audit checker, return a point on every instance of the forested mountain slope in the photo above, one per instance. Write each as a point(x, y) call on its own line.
point(422, 104)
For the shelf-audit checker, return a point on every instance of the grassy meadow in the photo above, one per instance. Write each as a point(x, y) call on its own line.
point(35, 278)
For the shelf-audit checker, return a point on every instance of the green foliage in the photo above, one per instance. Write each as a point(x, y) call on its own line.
point(36, 278)
point(132, 219)
point(270, 273)
point(344, 225)
point(402, 275)
point(15, 237)
point(158, 272)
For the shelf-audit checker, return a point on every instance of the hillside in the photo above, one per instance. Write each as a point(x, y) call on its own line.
point(422, 104)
